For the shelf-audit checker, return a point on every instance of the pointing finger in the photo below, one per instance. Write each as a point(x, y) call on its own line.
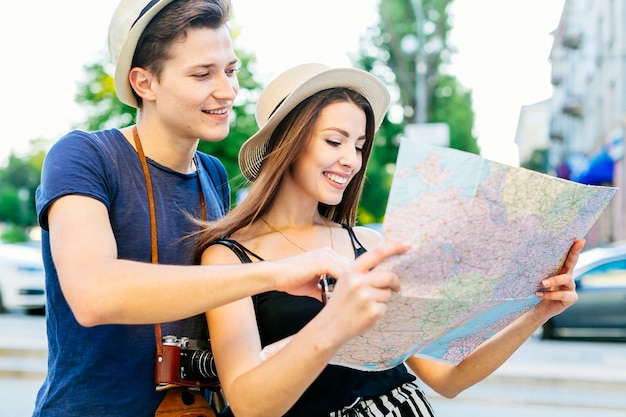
point(370, 259)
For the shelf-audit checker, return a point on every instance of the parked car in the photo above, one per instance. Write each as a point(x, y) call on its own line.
point(600, 312)
point(22, 278)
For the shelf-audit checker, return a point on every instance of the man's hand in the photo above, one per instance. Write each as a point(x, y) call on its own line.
point(301, 273)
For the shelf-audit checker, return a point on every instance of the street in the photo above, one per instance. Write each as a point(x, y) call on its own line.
point(542, 379)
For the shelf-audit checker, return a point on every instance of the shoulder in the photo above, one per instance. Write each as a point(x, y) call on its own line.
point(218, 253)
point(85, 145)
point(210, 162)
point(369, 238)
point(81, 137)
point(215, 170)
point(74, 140)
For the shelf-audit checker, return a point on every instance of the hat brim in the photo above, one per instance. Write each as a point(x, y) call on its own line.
point(127, 52)
point(252, 152)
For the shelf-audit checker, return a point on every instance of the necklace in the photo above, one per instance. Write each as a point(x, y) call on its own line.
point(330, 229)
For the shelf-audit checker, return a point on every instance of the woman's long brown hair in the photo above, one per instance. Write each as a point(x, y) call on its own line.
point(285, 145)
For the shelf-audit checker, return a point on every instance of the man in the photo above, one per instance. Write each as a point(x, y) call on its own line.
point(98, 208)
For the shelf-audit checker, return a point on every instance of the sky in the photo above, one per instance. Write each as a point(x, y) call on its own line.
point(503, 49)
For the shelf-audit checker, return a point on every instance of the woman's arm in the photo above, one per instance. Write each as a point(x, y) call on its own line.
point(449, 380)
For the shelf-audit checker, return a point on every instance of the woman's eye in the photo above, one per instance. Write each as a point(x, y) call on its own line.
point(333, 143)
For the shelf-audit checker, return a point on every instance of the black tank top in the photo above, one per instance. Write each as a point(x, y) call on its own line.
point(280, 315)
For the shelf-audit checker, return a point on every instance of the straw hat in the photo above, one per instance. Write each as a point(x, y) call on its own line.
point(292, 87)
point(127, 24)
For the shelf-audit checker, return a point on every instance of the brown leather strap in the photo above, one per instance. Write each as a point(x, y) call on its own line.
point(146, 173)
point(153, 229)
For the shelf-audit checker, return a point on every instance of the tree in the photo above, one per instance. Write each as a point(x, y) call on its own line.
point(393, 52)
point(98, 98)
point(538, 161)
point(452, 104)
point(18, 181)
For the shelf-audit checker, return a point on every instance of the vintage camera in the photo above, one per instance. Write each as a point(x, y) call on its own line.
point(186, 362)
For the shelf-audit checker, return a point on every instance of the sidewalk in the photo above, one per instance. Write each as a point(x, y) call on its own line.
point(23, 353)
point(567, 362)
point(25, 364)
point(23, 347)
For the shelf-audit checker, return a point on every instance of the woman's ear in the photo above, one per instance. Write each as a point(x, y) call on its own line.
point(141, 80)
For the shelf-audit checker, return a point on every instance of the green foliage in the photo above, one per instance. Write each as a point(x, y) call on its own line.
point(538, 161)
point(405, 40)
point(382, 54)
point(452, 104)
point(18, 182)
point(98, 97)
point(379, 173)
point(15, 234)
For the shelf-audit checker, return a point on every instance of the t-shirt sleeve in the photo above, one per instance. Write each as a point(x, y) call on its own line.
point(73, 166)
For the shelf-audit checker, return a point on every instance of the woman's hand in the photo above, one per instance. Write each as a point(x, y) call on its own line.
point(560, 290)
point(361, 295)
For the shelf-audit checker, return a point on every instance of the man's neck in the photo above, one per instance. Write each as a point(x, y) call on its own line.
point(167, 150)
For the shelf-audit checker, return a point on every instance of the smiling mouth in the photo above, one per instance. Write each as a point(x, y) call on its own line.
point(217, 112)
point(338, 179)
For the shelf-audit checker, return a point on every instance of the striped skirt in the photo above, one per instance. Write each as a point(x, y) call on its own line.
point(407, 400)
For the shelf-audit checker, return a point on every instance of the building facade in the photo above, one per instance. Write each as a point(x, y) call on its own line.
point(588, 105)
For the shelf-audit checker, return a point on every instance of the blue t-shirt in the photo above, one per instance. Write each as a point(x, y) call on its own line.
point(108, 370)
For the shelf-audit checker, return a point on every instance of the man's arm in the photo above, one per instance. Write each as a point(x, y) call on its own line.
point(102, 289)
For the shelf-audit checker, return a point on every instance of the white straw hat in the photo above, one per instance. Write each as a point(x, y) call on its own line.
point(127, 24)
point(292, 87)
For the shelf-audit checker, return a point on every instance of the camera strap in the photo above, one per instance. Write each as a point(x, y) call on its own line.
point(153, 226)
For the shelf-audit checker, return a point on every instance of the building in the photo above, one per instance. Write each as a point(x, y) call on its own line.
point(588, 106)
point(532, 136)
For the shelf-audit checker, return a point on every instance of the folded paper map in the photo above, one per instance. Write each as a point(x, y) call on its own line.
point(484, 235)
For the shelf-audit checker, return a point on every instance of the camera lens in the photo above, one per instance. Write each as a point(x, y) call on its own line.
point(202, 364)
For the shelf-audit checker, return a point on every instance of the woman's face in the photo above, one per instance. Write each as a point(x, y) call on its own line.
point(333, 155)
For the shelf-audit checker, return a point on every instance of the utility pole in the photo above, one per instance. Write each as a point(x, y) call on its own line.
point(433, 133)
point(421, 67)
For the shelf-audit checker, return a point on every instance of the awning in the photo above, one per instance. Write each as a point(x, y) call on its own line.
point(599, 171)
point(596, 169)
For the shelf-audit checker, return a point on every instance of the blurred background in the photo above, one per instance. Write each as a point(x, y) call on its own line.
point(534, 83)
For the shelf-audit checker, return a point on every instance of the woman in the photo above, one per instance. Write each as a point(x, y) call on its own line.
point(307, 165)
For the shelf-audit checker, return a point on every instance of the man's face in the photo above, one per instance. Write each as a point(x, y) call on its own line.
point(198, 85)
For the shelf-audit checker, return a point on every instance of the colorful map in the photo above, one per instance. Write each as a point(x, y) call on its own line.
point(484, 235)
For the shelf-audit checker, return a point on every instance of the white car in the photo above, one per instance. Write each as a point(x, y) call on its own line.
point(22, 278)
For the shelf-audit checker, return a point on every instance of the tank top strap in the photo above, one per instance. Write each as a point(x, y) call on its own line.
point(356, 245)
point(238, 249)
